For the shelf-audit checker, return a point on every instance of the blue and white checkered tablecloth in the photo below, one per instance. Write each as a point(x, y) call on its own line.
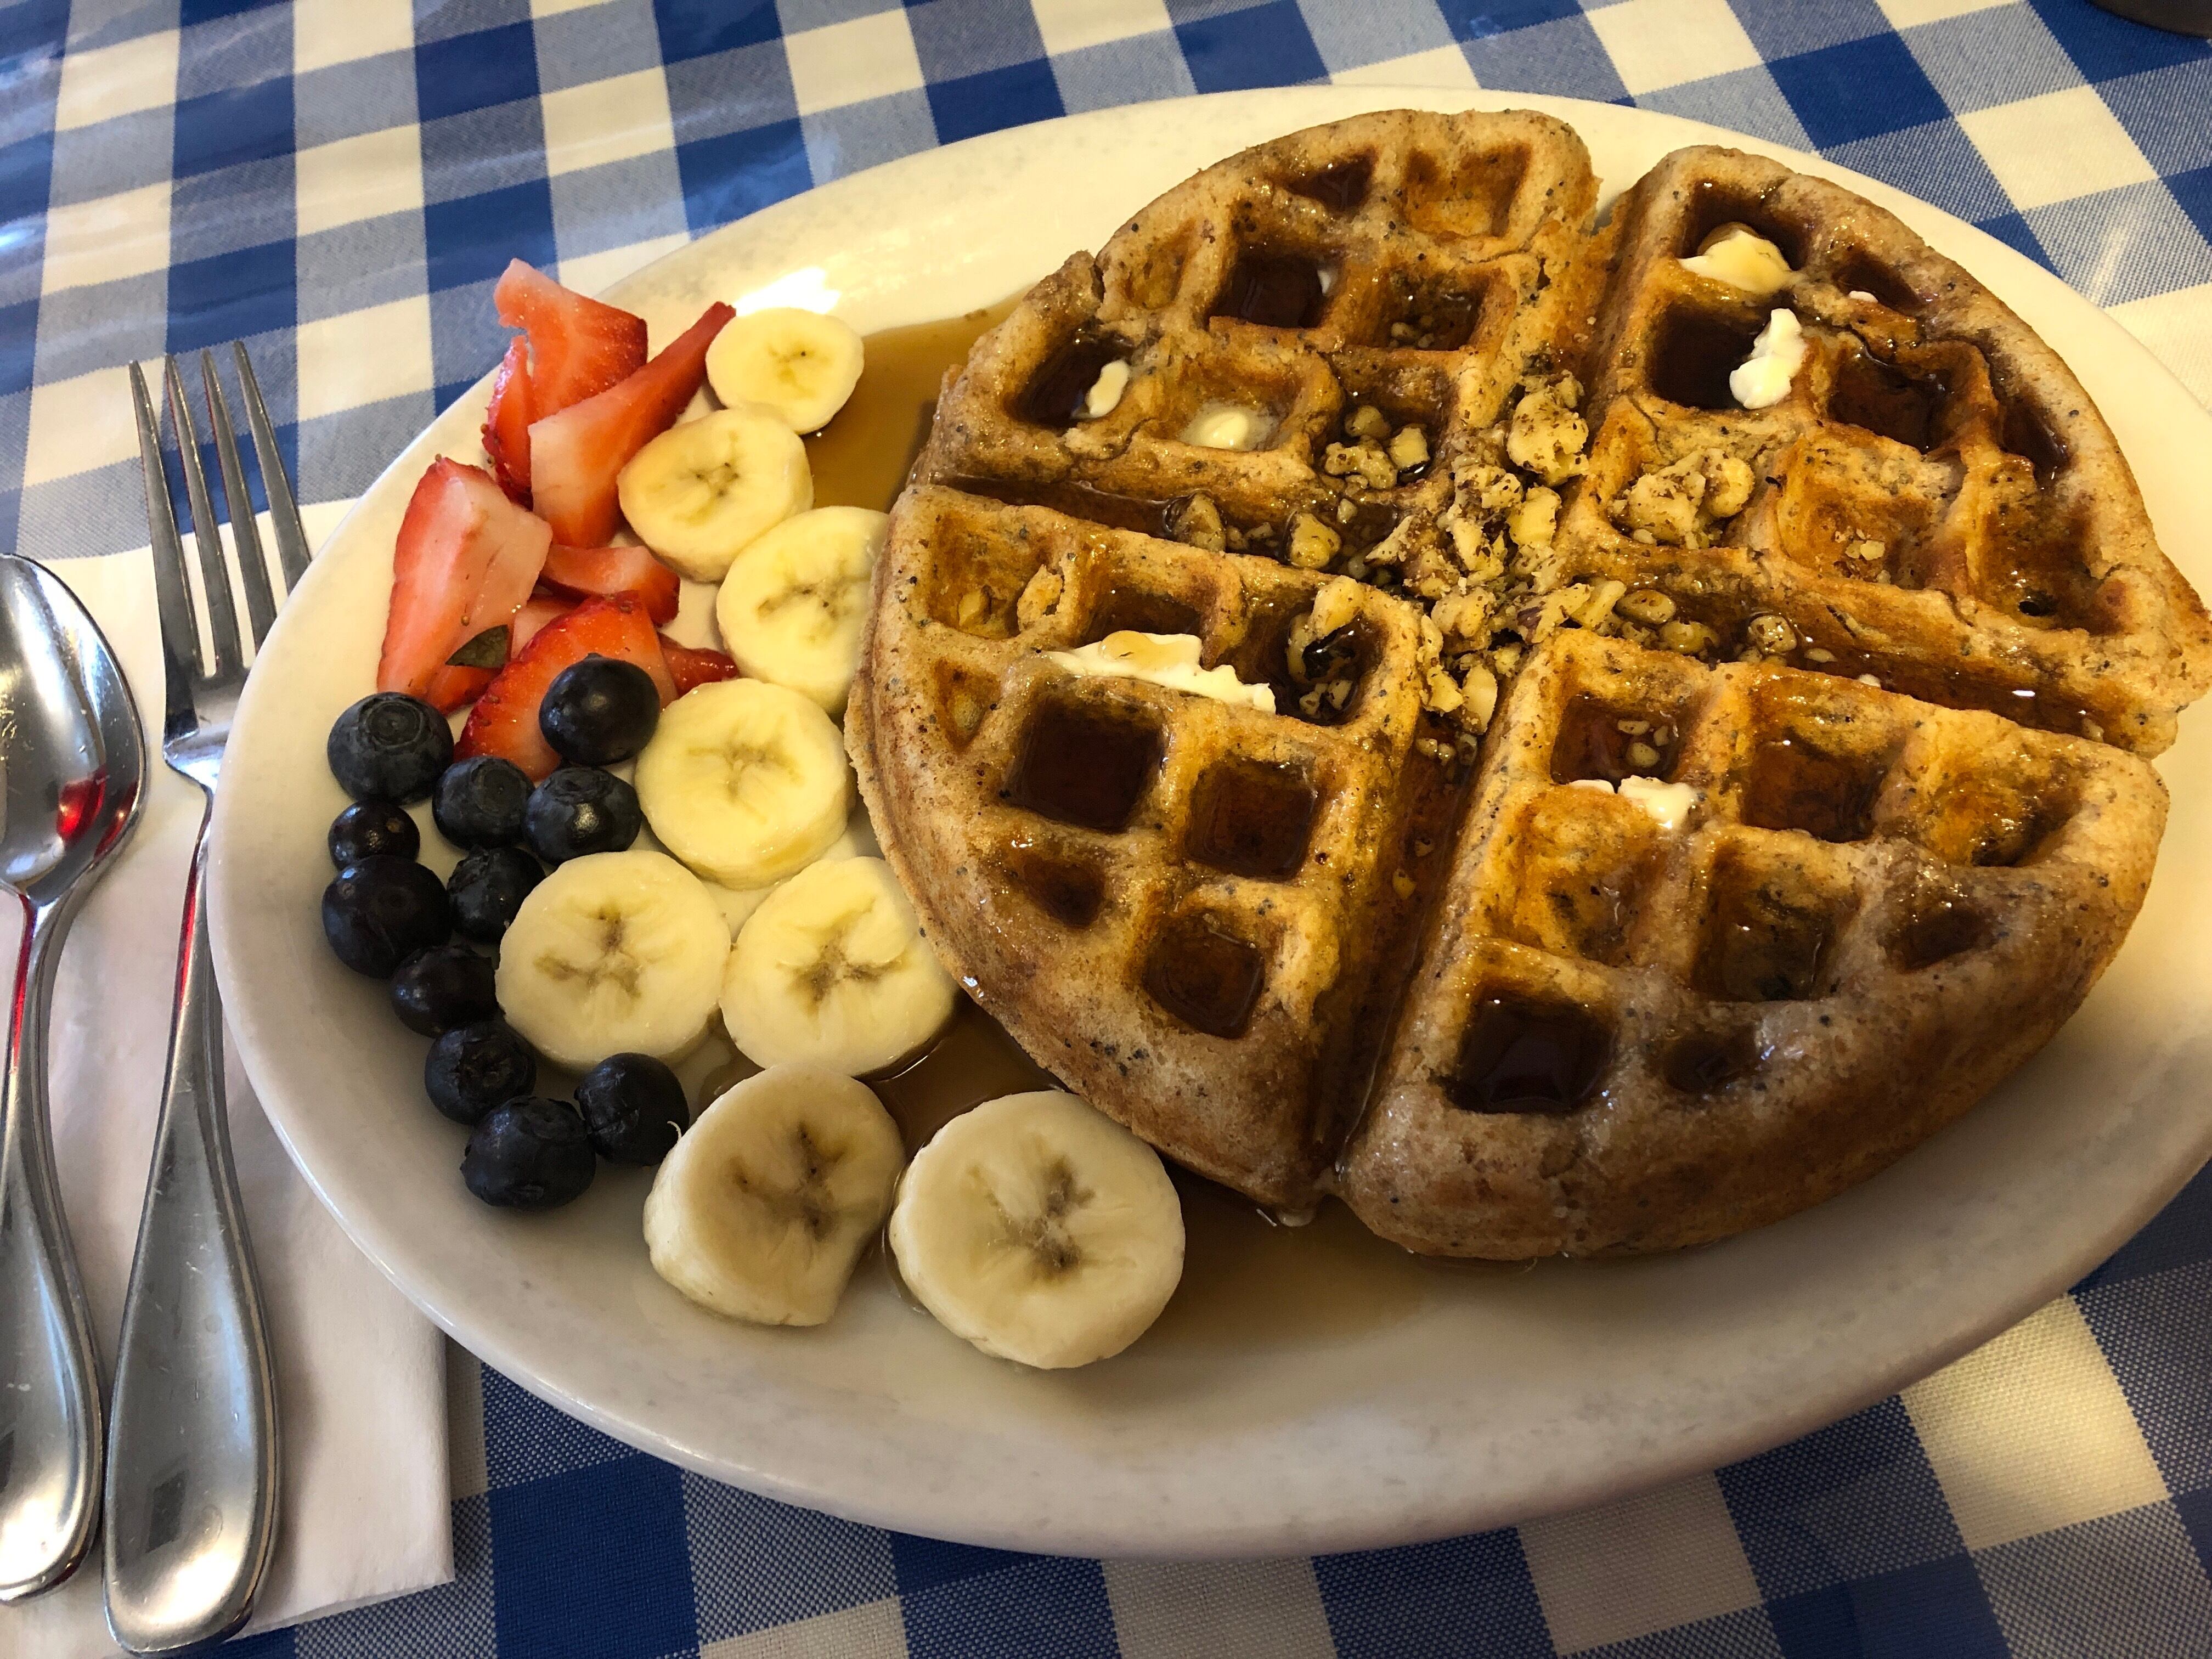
point(339, 183)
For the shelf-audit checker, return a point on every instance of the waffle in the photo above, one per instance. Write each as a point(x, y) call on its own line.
point(1403, 940)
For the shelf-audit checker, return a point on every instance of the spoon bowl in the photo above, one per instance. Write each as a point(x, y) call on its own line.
point(72, 776)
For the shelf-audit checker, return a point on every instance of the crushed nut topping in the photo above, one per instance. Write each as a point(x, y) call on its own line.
point(1313, 543)
point(1039, 597)
point(1546, 437)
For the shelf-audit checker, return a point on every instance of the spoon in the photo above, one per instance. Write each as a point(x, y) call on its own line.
point(72, 770)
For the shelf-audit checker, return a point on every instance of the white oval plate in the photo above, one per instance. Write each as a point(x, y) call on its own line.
point(1477, 1397)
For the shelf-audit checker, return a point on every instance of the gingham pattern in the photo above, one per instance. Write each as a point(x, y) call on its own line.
point(340, 184)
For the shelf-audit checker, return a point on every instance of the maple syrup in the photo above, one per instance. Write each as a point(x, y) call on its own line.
point(1067, 890)
point(1703, 1064)
point(1208, 979)
point(1520, 1056)
point(1697, 351)
point(1881, 398)
point(1862, 273)
point(1082, 765)
point(1252, 818)
point(861, 458)
point(1274, 290)
point(1135, 610)
point(1591, 744)
point(1935, 931)
point(1341, 186)
point(1762, 943)
point(1794, 786)
point(1056, 396)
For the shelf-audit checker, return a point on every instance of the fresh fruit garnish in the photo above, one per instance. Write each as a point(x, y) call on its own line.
point(791, 606)
point(768, 1200)
point(633, 1109)
point(442, 987)
point(529, 1154)
point(698, 493)
point(1040, 1230)
point(584, 573)
point(599, 712)
point(378, 912)
point(832, 970)
point(487, 888)
point(533, 617)
point(504, 722)
point(465, 559)
point(473, 1068)
point(389, 747)
point(798, 363)
point(370, 827)
point(479, 802)
point(616, 954)
point(690, 667)
point(745, 781)
point(576, 455)
point(579, 810)
point(507, 422)
point(578, 347)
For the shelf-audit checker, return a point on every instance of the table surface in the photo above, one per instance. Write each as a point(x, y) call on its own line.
point(338, 184)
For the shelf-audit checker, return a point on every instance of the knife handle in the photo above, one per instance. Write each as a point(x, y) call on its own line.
point(192, 1471)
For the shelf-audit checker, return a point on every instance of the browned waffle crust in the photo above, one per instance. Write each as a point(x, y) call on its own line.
point(1384, 945)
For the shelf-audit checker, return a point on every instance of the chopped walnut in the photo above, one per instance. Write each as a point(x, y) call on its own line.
point(1691, 639)
point(1366, 460)
point(1868, 550)
point(1536, 520)
point(1597, 608)
point(1546, 436)
point(1440, 693)
point(1313, 543)
point(1770, 634)
point(1409, 449)
point(1403, 883)
point(1335, 606)
point(974, 604)
point(1039, 597)
point(1198, 525)
point(1464, 617)
point(1673, 505)
point(1480, 687)
point(1367, 421)
point(1480, 489)
point(1647, 606)
point(1728, 484)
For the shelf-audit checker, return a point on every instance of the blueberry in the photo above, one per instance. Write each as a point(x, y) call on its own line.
point(445, 985)
point(380, 911)
point(473, 1068)
point(389, 747)
point(529, 1154)
point(599, 711)
point(479, 802)
point(581, 809)
point(488, 887)
point(369, 828)
point(633, 1109)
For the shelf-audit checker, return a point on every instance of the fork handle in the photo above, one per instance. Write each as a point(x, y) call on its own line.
point(50, 1427)
point(192, 1471)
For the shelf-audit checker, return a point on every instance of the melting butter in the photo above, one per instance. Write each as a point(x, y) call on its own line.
point(1105, 394)
point(1228, 426)
point(1169, 660)
point(1762, 380)
point(1670, 804)
point(1741, 258)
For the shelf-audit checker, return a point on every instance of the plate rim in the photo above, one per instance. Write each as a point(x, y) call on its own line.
point(1720, 1446)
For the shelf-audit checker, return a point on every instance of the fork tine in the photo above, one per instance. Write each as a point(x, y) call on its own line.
point(284, 511)
point(181, 639)
point(244, 533)
point(207, 534)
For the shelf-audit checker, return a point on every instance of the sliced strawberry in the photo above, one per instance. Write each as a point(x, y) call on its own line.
point(578, 347)
point(584, 572)
point(453, 687)
point(576, 454)
point(466, 559)
point(542, 608)
point(504, 722)
point(507, 423)
point(689, 666)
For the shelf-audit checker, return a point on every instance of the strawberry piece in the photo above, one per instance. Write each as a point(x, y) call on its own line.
point(507, 423)
point(453, 687)
point(577, 454)
point(585, 572)
point(690, 667)
point(466, 559)
point(578, 347)
point(504, 722)
point(541, 610)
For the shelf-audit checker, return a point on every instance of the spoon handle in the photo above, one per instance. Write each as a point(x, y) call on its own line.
point(191, 1480)
point(50, 1427)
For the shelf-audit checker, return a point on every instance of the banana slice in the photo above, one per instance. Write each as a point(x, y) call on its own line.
point(613, 953)
point(793, 602)
point(700, 491)
point(832, 970)
point(744, 781)
point(859, 842)
point(798, 363)
point(768, 1200)
point(1039, 1231)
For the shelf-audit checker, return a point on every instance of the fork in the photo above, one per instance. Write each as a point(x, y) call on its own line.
point(191, 1470)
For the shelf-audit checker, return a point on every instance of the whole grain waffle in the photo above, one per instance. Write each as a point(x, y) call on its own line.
point(1401, 940)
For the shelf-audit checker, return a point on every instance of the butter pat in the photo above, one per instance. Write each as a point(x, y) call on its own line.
point(1228, 426)
point(1169, 660)
point(1742, 259)
point(1105, 394)
point(1762, 380)
point(1668, 804)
